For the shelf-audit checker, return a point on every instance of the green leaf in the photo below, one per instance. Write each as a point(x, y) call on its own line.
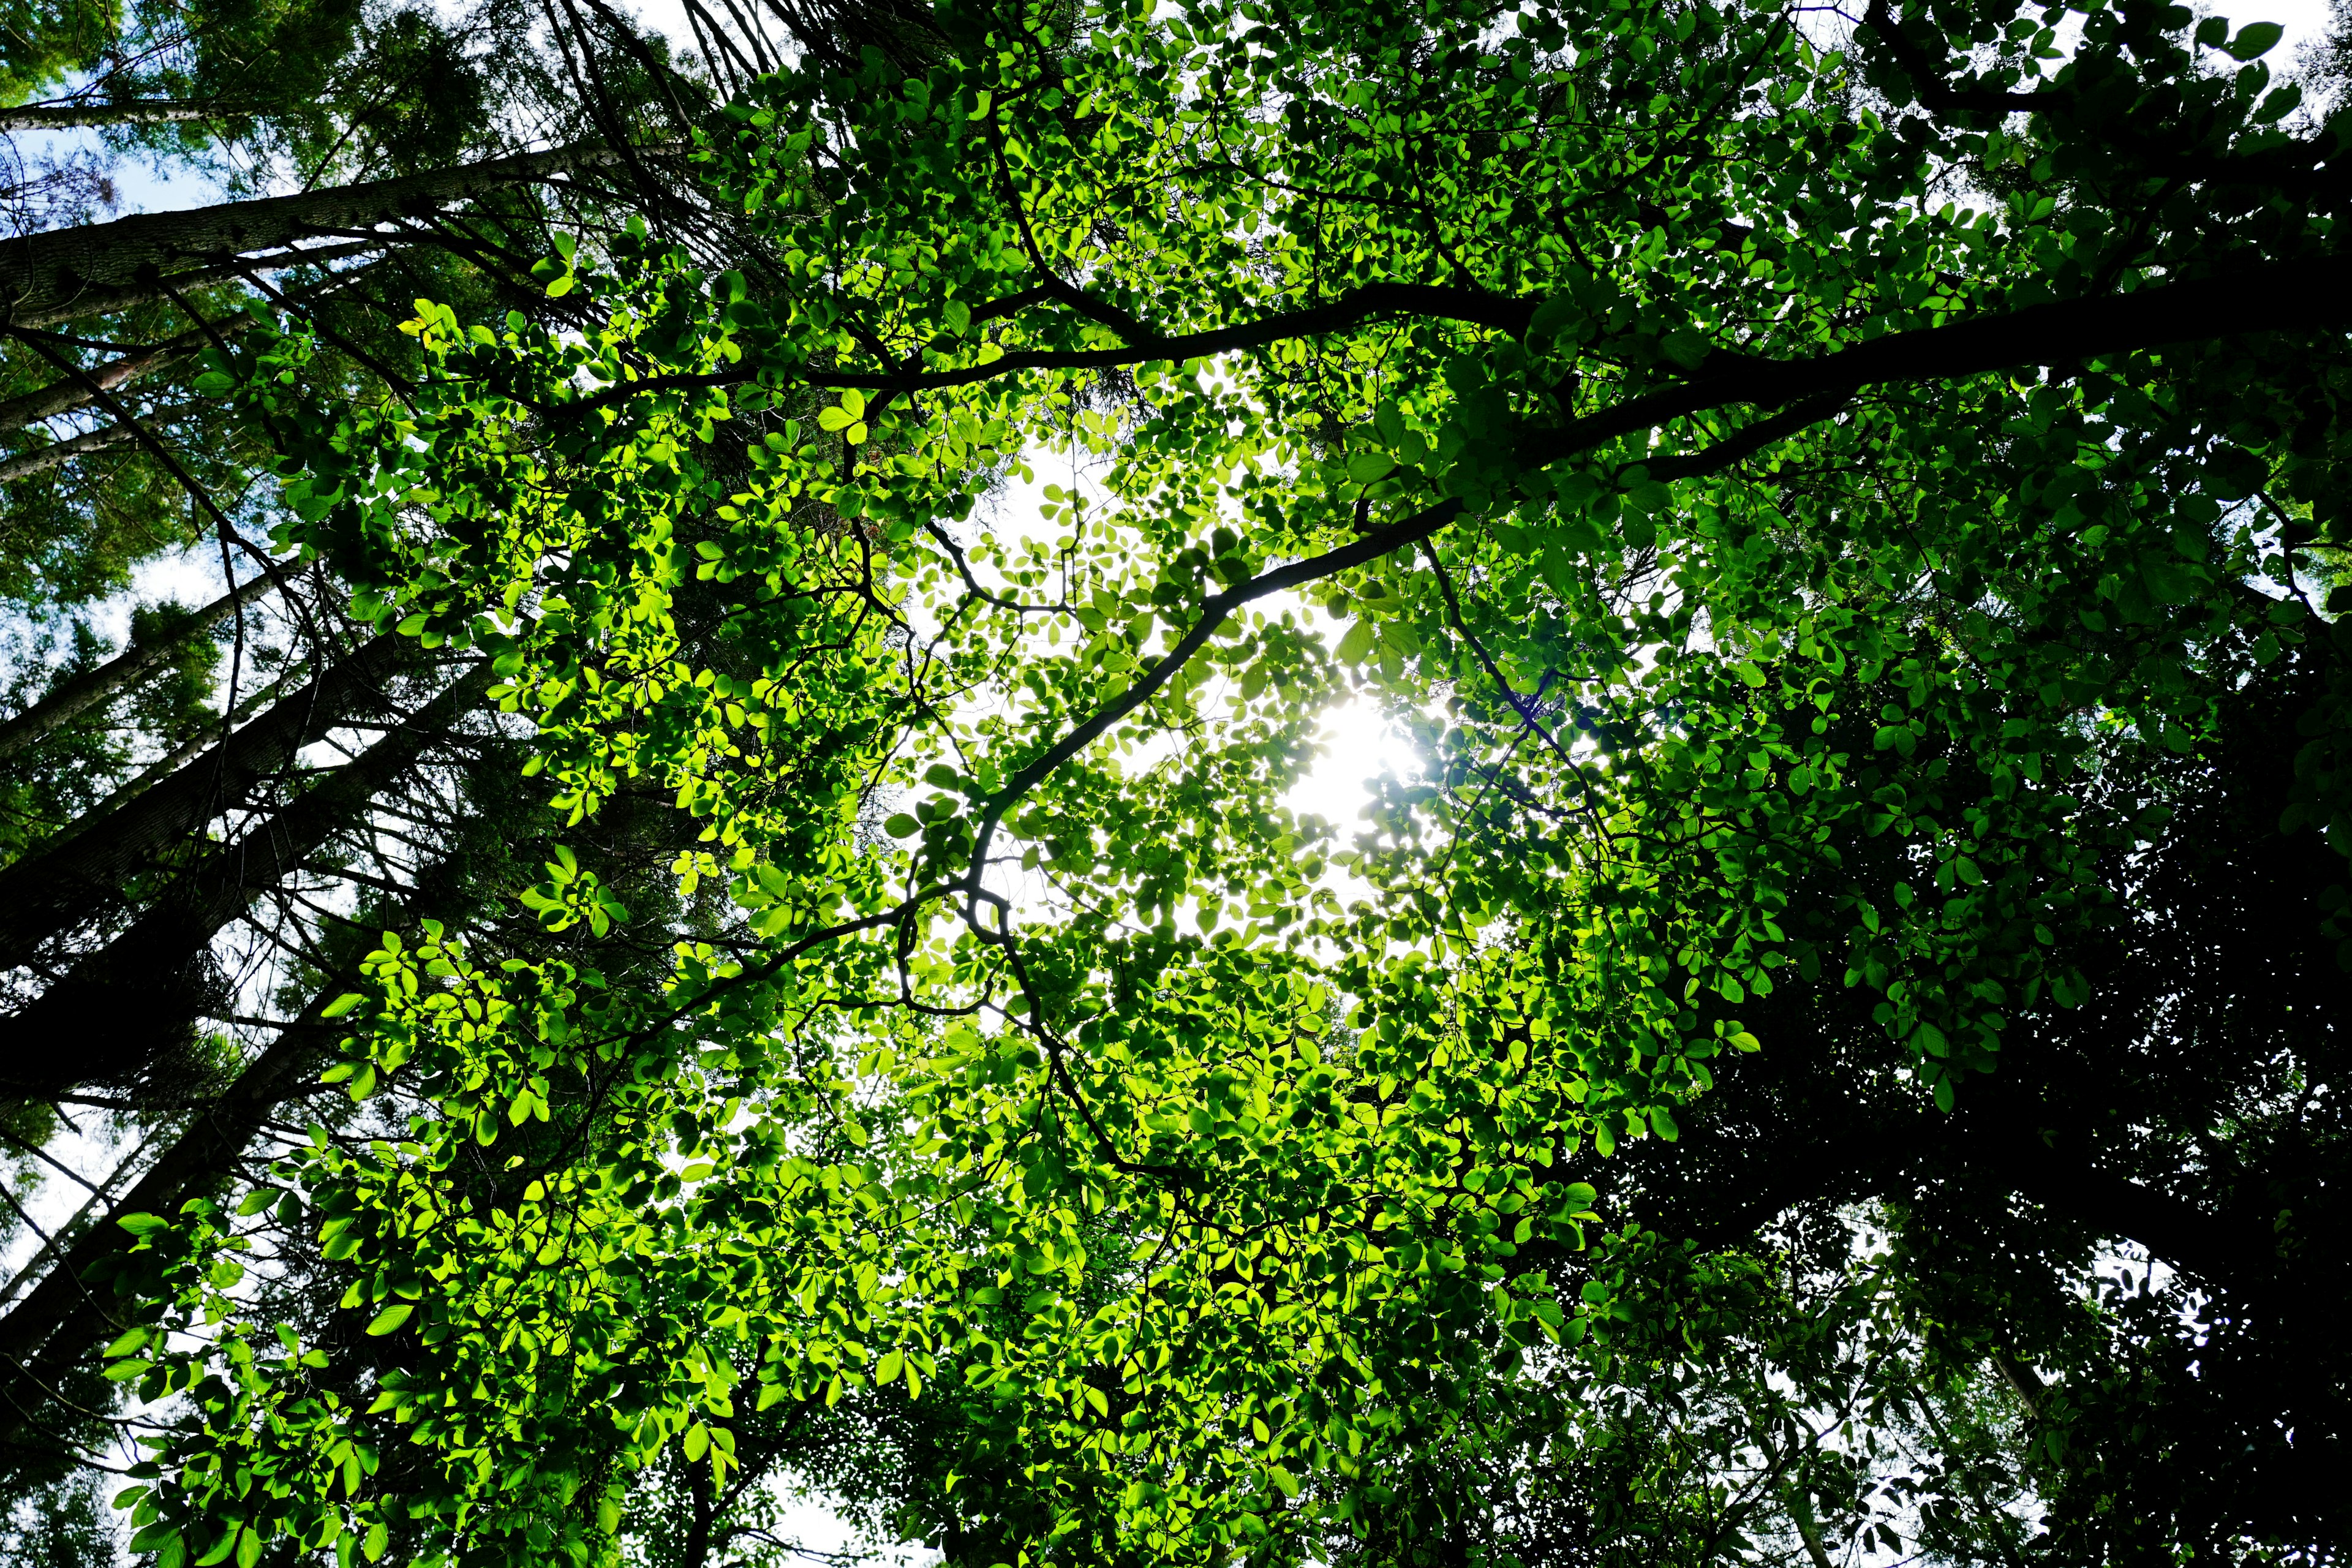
point(2255, 39)
point(343, 1004)
point(901, 826)
point(1686, 348)
point(1367, 468)
point(391, 1318)
point(1357, 643)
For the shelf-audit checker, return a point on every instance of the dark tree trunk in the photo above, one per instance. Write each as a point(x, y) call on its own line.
point(144, 991)
point(86, 690)
point(47, 893)
point(55, 274)
point(72, 1308)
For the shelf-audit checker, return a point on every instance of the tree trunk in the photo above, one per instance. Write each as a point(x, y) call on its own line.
point(86, 690)
point(153, 285)
point(71, 116)
point(40, 459)
point(64, 396)
point(49, 892)
point(171, 761)
point(71, 1309)
point(143, 992)
point(42, 274)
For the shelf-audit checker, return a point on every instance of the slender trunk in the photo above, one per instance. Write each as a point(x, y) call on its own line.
point(696, 1549)
point(139, 994)
point(171, 763)
point(72, 1307)
point(41, 459)
point(42, 273)
point(1801, 1512)
point(51, 891)
point(87, 689)
point(151, 286)
point(69, 1233)
point(71, 1310)
point(2022, 1380)
point(71, 116)
point(66, 395)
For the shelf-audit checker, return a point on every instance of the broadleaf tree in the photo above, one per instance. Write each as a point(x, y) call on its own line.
point(1847, 515)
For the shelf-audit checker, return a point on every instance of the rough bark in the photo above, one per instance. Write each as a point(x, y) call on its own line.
point(151, 285)
point(42, 274)
point(49, 892)
point(86, 690)
point(137, 995)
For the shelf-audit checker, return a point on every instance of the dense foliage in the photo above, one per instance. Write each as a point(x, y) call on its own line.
point(1833, 1052)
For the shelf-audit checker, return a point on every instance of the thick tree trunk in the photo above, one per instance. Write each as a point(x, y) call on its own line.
point(71, 1310)
point(142, 993)
point(49, 892)
point(42, 274)
point(86, 690)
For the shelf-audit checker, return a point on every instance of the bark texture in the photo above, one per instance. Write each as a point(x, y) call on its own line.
point(44, 274)
point(144, 991)
point(41, 459)
point(44, 894)
point(72, 116)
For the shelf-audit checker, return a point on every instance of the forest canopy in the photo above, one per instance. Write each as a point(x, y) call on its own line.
point(1828, 1056)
